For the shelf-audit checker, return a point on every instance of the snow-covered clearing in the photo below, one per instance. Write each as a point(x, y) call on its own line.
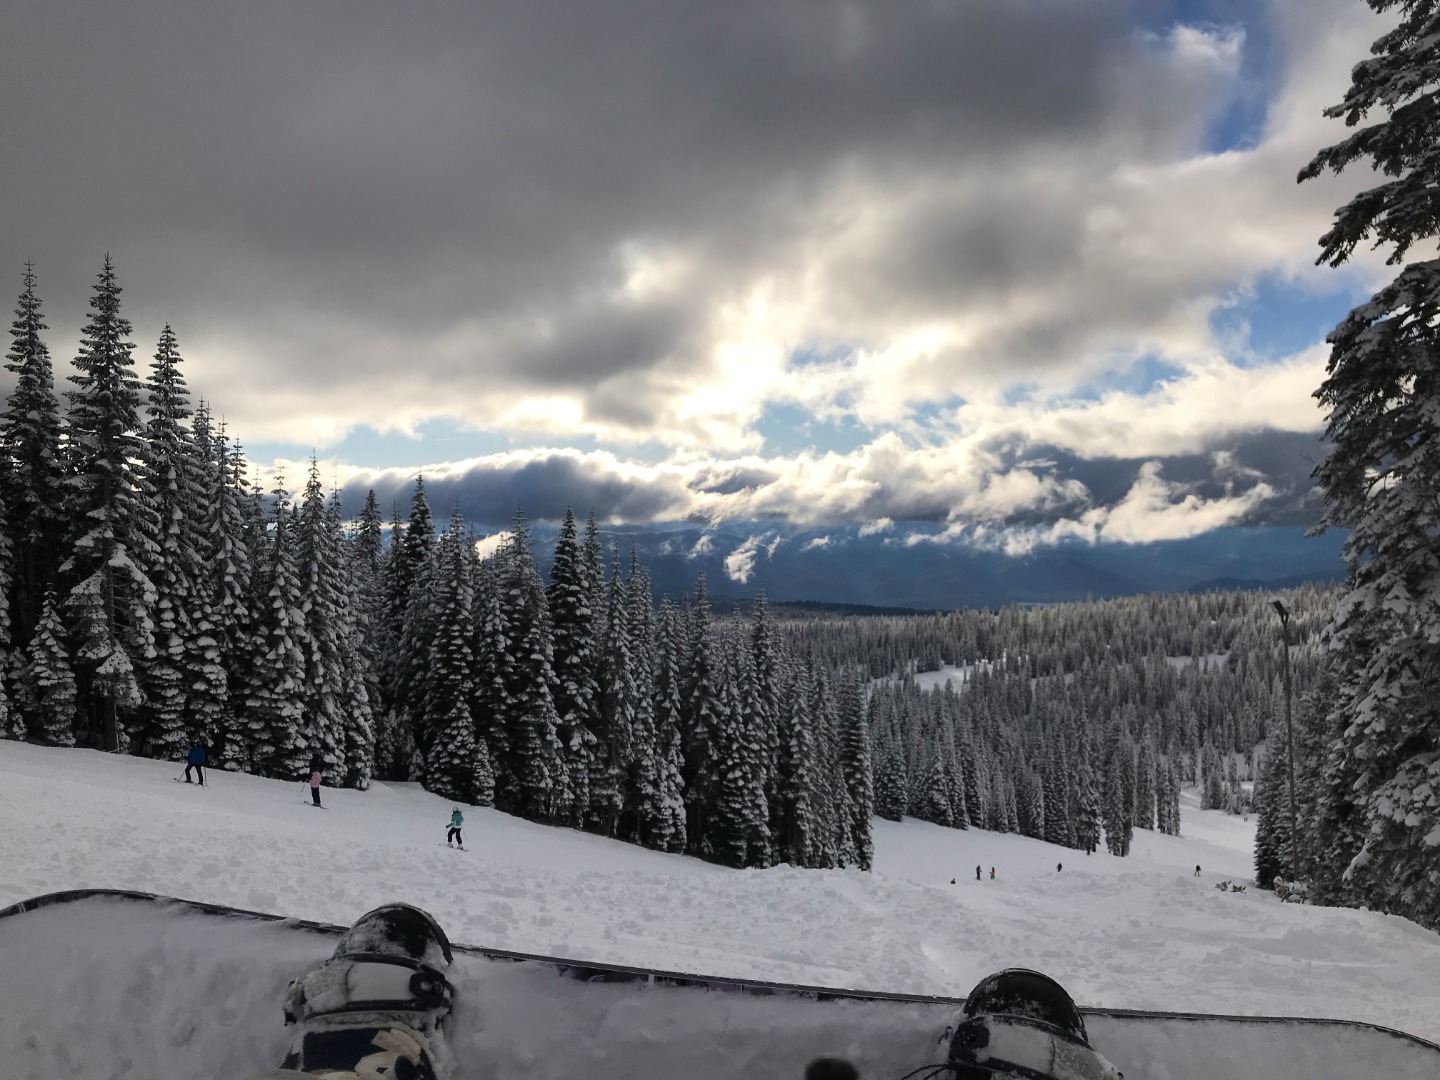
point(1139, 932)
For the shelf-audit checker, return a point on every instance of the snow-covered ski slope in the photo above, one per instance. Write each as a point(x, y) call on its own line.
point(1141, 932)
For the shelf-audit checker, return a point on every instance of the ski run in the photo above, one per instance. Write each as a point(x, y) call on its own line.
point(1140, 932)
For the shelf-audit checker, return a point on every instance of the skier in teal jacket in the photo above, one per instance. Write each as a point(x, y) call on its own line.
point(452, 835)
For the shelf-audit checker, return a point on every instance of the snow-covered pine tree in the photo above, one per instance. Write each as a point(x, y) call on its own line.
point(33, 482)
point(931, 801)
point(403, 664)
point(796, 766)
point(528, 679)
point(667, 814)
point(641, 786)
point(699, 695)
point(1087, 792)
point(1145, 784)
point(577, 631)
point(488, 704)
point(1272, 826)
point(764, 705)
point(274, 701)
point(1058, 828)
point(447, 726)
point(891, 781)
point(229, 525)
point(1118, 808)
point(367, 603)
point(1381, 476)
point(112, 599)
point(965, 751)
point(855, 768)
point(1172, 799)
point(46, 683)
point(727, 816)
point(322, 603)
point(1030, 801)
point(357, 714)
point(203, 665)
point(1213, 789)
point(611, 759)
point(175, 563)
point(834, 845)
point(9, 722)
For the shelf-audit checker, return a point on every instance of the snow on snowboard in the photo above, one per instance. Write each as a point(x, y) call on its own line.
point(92, 979)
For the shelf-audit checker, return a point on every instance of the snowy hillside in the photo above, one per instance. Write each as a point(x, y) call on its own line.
point(1140, 932)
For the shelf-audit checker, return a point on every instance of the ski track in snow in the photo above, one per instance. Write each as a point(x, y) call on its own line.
point(1140, 932)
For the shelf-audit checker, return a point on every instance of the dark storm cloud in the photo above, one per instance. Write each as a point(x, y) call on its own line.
point(541, 486)
point(301, 169)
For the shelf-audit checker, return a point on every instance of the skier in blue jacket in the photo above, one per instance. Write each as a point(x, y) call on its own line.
point(195, 759)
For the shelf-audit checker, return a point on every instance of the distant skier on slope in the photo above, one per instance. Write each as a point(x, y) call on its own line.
point(977, 873)
point(315, 779)
point(195, 759)
point(452, 835)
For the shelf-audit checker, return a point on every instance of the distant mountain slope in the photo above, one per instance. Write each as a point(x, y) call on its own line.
point(842, 567)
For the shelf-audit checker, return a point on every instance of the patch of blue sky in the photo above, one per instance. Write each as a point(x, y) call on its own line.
point(434, 441)
point(1277, 319)
point(1240, 123)
point(809, 356)
point(790, 429)
point(1139, 378)
point(366, 447)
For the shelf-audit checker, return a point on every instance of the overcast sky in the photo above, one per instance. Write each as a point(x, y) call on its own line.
point(1025, 269)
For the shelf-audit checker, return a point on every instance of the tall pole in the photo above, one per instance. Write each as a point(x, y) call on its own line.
point(1284, 613)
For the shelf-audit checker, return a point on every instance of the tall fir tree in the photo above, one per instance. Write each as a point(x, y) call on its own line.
point(33, 482)
point(111, 601)
point(537, 758)
point(1379, 479)
point(367, 601)
point(171, 485)
point(616, 706)
point(574, 627)
point(450, 760)
point(699, 717)
point(670, 809)
point(796, 768)
point(274, 702)
point(322, 600)
point(230, 523)
point(402, 663)
point(855, 769)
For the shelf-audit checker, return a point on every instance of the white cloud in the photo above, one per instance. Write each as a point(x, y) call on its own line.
point(740, 563)
point(486, 546)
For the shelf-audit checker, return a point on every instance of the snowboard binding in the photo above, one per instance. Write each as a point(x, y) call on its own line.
point(1015, 1023)
point(375, 1009)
